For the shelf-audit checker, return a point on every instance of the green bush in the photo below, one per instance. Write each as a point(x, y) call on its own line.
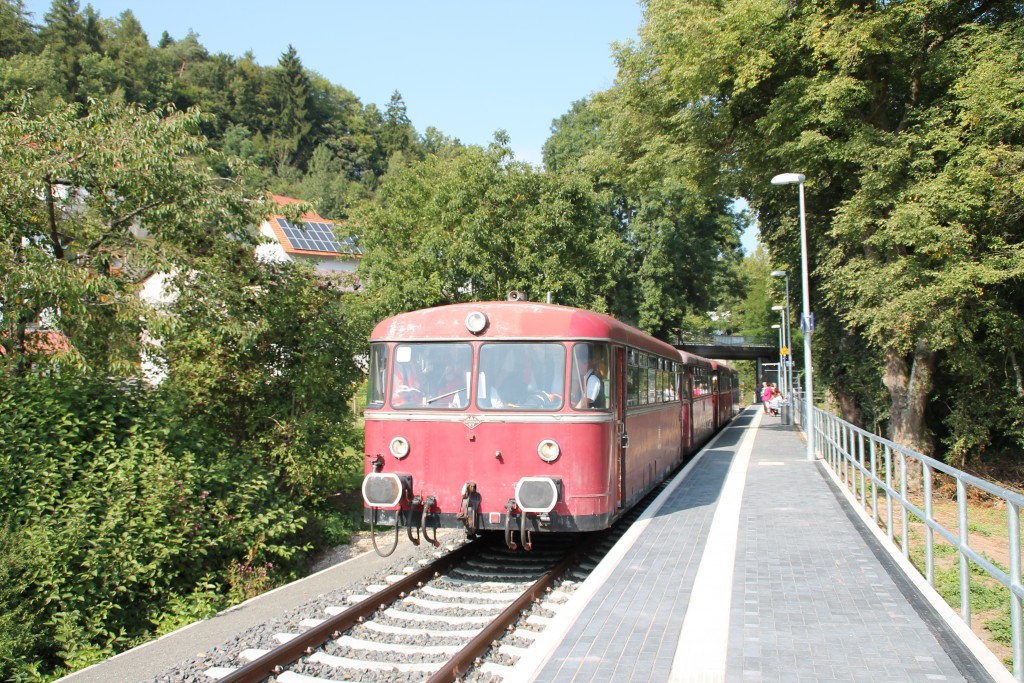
point(114, 529)
point(20, 624)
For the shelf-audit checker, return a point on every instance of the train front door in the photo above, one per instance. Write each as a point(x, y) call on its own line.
point(622, 442)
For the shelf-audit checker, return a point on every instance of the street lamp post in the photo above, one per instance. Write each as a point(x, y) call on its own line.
point(807, 319)
point(784, 380)
point(779, 375)
point(783, 350)
point(789, 333)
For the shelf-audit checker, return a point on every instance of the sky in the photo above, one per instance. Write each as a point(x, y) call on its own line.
point(466, 67)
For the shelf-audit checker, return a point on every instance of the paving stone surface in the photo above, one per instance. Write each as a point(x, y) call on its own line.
point(813, 596)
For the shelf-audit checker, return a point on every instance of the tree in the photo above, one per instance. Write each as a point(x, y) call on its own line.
point(291, 95)
point(681, 242)
point(475, 226)
point(909, 159)
point(262, 358)
point(70, 35)
point(92, 205)
point(126, 496)
point(16, 34)
point(397, 133)
point(573, 135)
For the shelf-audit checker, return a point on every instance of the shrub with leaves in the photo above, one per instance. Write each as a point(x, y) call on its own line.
point(118, 522)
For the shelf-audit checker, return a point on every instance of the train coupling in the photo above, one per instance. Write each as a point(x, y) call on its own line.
point(470, 507)
point(417, 532)
point(535, 498)
point(527, 525)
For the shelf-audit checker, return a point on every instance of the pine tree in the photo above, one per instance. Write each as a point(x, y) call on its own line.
point(292, 91)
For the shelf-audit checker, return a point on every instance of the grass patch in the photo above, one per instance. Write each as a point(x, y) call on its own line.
point(987, 594)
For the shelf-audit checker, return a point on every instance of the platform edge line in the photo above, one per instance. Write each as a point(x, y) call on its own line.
point(702, 648)
point(529, 667)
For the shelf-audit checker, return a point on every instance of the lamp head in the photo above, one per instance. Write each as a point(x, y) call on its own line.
point(775, 327)
point(780, 273)
point(788, 179)
point(778, 307)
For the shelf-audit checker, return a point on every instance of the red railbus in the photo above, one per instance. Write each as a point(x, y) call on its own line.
point(523, 417)
point(725, 393)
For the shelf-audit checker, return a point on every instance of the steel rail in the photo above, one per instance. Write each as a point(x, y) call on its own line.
point(273, 661)
point(465, 659)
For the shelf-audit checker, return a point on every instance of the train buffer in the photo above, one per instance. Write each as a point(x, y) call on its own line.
point(755, 567)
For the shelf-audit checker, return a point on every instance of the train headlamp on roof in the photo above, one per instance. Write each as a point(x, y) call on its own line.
point(476, 322)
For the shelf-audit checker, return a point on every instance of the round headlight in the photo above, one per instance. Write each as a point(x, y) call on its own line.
point(476, 322)
point(548, 450)
point(399, 447)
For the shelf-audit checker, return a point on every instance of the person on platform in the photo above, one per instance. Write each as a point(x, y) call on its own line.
point(775, 401)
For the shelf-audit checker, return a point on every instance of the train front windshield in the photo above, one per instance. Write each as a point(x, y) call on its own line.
point(521, 376)
point(424, 376)
point(509, 376)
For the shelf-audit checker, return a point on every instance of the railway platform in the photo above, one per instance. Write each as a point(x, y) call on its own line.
point(751, 566)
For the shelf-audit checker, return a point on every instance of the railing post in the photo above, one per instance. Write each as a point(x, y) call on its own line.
point(904, 513)
point(874, 482)
point(965, 567)
point(851, 458)
point(843, 451)
point(888, 491)
point(1016, 620)
point(863, 471)
point(929, 533)
point(833, 433)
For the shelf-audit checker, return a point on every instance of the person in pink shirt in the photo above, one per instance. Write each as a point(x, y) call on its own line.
point(766, 396)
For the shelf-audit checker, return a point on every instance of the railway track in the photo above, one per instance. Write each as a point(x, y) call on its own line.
point(468, 614)
point(436, 624)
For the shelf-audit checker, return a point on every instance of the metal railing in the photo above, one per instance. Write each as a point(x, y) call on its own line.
point(727, 340)
point(873, 467)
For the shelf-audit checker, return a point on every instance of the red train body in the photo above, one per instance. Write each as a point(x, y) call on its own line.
point(528, 417)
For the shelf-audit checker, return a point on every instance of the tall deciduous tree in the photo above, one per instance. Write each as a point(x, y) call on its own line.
point(681, 241)
point(477, 225)
point(905, 117)
point(91, 205)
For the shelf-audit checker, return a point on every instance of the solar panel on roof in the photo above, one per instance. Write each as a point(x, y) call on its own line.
point(316, 236)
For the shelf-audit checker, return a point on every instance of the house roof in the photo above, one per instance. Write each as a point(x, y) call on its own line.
point(43, 342)
point(314, 236)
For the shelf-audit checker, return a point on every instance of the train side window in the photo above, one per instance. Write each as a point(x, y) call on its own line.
point(659, 391)
point(590, 385)
point(652, 385)
point(641, 378)
point(633, 385)
point(376, 387)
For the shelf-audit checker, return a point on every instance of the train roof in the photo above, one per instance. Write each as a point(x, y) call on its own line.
point(515, 320)
point(694, 359)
